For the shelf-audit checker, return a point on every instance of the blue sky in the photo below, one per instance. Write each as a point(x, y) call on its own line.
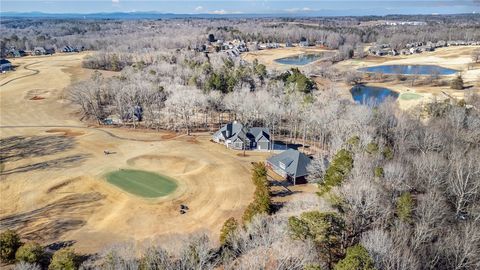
point(318, 7)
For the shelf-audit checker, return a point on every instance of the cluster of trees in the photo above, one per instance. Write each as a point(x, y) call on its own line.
point(32, 256)
point(457, 83)
point(189, 90)
point(261, 198)
point(412, 196)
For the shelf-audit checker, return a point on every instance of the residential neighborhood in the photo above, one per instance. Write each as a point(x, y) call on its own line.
point(416, 47)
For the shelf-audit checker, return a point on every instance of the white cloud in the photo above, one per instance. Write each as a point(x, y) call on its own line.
point(222, 12)
point(199, 8)
point(293, 10)
point(115, 1)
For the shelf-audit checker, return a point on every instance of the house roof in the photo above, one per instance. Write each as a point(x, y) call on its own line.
point(234, 131)
point(295, 162)
point(259, 132)
point(228, 131)
point(4, 61)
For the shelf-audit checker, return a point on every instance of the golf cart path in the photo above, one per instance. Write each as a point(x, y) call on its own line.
point(95, 129)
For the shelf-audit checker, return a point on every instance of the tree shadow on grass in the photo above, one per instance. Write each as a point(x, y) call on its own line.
point(50, 222)
point(20, 147)
point(59, 163)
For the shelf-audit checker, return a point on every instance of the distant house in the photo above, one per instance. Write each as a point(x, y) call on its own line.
point(441, 43)
point(304, 43)
point(39, 51)
point(237, 136)
point(290, 164)
point(414, 50)
point(69, 49)
point(5, 65)
point(426, 49)
point(50, 51)
point(393, 52)
point(42, 51)
point(16, 53)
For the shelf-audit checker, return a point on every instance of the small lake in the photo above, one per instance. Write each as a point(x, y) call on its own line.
point(410, 70)
point(371, 95)
point(300, 60)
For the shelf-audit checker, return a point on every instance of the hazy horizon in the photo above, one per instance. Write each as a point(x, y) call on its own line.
point(246, 7)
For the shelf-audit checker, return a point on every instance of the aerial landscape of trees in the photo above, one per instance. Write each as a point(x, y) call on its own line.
point(396, 189)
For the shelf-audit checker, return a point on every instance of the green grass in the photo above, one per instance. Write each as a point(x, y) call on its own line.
point(410, 96)
point(142, 183)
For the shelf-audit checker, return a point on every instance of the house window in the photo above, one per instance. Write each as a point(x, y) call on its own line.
point(282, 165)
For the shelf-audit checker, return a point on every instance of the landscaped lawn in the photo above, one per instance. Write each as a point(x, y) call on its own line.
point(142, 183)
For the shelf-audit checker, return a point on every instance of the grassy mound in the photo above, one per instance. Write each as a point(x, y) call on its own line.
point(410, 96)
point(142, 183)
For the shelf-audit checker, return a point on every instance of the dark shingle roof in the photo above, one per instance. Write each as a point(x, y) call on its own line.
point(258, 132)
point(233, 131)
point(295, 162)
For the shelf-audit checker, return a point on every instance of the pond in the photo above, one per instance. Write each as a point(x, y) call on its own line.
point(371, 95)
point(410, 70)
point(299, 60)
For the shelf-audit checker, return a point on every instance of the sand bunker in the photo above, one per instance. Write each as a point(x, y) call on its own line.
point(37, 94)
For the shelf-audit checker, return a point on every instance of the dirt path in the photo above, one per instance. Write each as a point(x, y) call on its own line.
point(93, 129)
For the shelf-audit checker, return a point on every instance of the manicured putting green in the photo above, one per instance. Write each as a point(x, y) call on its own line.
point(410, 96)
point(142, 183)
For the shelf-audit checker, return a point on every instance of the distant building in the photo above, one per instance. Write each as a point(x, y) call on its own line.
point(69, 49)
point(304, 43)
point(414, 50)
point(50, 51)
point(393, 52)
point(16, 53)
point(290, 164)
point(237, 136)
point(42, 51)
point(5, 65)
point(39, 51)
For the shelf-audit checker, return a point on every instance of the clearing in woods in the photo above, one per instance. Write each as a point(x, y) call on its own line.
point(142, 183)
